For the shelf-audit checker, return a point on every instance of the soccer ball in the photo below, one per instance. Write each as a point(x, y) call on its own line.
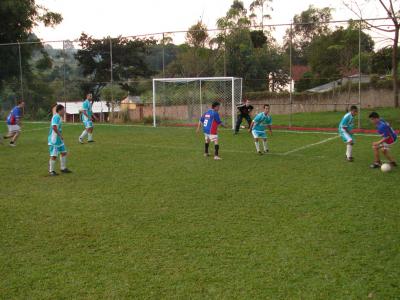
point(386, 168)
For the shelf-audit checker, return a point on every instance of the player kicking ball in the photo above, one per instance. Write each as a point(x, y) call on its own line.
point(258, 126)
point(389, 137)
point(56, 143)
point(346, 126)
point(14, 123)
point(210, 122)
point(87, 119)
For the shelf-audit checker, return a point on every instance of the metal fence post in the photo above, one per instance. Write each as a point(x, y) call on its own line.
point(20, 72)
point(290, 75)
point(359, 74)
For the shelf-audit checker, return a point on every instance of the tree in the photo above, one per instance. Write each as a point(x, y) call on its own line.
point(392, 9)
point(307, 26)
point(17, 20)
point(331, 56)
point(128, 60)
point(260, 7)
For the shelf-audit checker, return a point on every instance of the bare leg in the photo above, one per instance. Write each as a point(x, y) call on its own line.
point(388, 155)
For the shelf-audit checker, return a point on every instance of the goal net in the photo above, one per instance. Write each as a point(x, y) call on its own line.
point(181, 101)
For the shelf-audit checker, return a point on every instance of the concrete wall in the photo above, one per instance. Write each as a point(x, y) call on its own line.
point(279, 105)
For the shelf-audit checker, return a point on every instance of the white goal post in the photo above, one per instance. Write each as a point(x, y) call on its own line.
point(180, 101)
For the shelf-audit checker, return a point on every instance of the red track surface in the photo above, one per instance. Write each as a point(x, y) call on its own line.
point(295, 128)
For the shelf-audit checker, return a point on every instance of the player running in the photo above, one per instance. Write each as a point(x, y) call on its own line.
point(87, 119)
point(389, 137)
point(346, 126)
point(258, 126)
point(14, 123)
point(210, 122)
point(56, 143)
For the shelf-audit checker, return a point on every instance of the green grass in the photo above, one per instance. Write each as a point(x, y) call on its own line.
point(331, 119)
point(145, 215)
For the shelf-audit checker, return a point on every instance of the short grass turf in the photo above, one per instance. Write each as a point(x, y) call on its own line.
point(145, 215)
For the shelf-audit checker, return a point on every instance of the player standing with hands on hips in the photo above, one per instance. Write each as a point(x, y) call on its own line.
point(210, 122)
point(87, 119)
point(244, 113)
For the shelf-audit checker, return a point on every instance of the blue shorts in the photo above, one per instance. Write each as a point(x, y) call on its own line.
point(346, 137)
point(56, 150)
point(259, 134)
point(88, 124)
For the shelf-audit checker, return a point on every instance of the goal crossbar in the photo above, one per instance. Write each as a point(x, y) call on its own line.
point(234, 94)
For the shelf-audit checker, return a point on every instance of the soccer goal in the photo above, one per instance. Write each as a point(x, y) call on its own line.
point(181, 101)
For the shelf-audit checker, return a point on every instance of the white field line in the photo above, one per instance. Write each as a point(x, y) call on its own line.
point(310, 145)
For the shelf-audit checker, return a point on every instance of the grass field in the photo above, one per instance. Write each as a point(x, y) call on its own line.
point(145, 215)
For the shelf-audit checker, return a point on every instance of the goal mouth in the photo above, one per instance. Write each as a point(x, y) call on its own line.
point(184, 100)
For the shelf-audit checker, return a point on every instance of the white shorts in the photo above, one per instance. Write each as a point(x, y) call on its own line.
point(212, 137)
point(386, 146)
point(14, 128)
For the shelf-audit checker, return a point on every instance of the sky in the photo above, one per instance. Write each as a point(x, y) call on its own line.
point(101, 18)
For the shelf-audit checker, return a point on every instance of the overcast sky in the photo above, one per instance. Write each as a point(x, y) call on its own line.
point(131, 17)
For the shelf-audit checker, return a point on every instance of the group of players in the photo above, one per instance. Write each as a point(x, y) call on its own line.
point(262, 121)
point(209, 122)
point(55, 138)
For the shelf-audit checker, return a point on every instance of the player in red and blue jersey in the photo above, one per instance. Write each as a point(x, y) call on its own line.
point(210, 122)
point(14, 123)
point(389, 137)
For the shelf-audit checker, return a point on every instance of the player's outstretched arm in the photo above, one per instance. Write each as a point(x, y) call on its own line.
point(270, 129)
point(198, 127)
point(251, 126)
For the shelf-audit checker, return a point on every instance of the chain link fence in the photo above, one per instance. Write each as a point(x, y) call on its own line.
point(349, 64)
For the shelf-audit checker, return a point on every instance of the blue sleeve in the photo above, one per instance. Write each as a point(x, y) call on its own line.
point(383, 131)
point(55, 121)
point(345, 121)
point(85, 105)
point(202, 118)
point(257, 119)
point(18, 113)
point(217, 118)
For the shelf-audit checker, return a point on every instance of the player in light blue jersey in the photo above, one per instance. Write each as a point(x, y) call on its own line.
point(55, 141)
point(346, 127)
point(87, 117)
point(258, 126)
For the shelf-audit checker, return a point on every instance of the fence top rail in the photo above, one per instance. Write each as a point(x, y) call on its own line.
point(209, 30)
point(187, 79)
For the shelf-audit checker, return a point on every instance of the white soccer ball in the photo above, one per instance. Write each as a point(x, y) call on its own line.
point(386, 168)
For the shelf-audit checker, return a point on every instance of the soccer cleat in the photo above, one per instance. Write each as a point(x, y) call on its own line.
point(80, 141)
point(66, 171)
point(53, 173)
point(12, 144)
point(393, 164)
point(217, 158)
point(266, 151)
point(259, 152)
point(375, 165)
point(350, 159)
point(206, 154)
point(91, 141)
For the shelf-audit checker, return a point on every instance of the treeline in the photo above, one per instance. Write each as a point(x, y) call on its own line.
point(317, 51)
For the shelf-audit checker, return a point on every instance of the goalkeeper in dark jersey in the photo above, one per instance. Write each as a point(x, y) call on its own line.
point(244, 110)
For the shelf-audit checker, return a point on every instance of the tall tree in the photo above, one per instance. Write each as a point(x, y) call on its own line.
point(259, 12)
point(128, 62)
point(307, 25)
point(392, 9)
point(18, 18)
